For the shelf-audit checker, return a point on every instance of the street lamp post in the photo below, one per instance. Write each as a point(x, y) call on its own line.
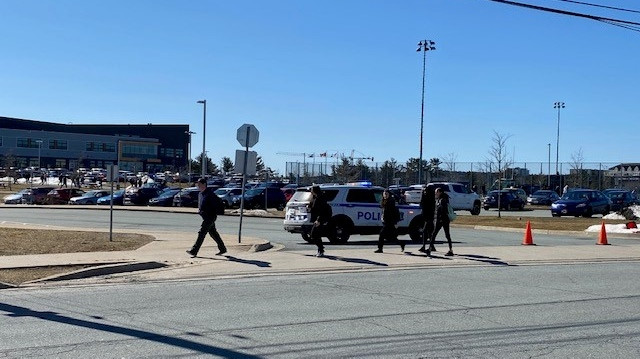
point(204, 134)
point(558, 105)
point(189, 154)
point(424, 46)
point(549, 165)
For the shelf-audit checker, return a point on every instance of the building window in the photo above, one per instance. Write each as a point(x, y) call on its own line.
point(61, 163)
point(27, 143)
point(58, 144)
point(179, 153)
point(92, 146)
point(108, 147)
point(169, 152)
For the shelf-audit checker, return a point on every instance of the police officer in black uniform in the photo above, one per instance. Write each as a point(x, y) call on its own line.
point(320, 216)
point(208, 206)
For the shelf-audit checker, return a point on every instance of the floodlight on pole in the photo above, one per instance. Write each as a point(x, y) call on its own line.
point(558, 105)
point(424, 46)
point(204, 134)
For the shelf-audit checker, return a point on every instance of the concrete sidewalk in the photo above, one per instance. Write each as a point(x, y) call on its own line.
point(165, 259)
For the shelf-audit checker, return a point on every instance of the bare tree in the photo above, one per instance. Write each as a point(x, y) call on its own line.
point(498, 154)
point(450, 161)
point(577, 162)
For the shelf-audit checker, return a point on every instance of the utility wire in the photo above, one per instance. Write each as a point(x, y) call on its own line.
point(601, 6)
point(570, 13)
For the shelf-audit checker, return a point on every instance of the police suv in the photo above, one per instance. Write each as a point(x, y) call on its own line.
point(355, 209)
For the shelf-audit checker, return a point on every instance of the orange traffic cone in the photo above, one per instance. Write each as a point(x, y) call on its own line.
point(602, 238)
point(528, 237)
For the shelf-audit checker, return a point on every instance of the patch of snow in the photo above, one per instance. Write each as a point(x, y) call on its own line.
point(613, 228)
point(636, 210)
point(614, 215)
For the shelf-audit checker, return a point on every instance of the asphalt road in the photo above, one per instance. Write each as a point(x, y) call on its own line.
point(266, 228)
point(550, 311)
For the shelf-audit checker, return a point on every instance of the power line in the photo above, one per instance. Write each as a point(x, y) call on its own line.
point(600, 6)
point(622, 23)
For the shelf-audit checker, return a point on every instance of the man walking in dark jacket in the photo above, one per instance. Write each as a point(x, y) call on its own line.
point(320, 216)
point(208, 203)
point(442, 220)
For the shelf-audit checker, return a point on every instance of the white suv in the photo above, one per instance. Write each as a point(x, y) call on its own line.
point(460, 196)
point(355, 210)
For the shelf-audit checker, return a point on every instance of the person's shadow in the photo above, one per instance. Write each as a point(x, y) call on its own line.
point(230, 258)
point(351, 260)
point(261, 264)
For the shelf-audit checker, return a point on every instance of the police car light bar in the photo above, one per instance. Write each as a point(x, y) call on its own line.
point(360, 184)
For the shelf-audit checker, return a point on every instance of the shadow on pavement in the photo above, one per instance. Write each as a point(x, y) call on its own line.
point(261, 264)
point(423, 255)
point(16, 311)
point(351, 260)
point(484, 259)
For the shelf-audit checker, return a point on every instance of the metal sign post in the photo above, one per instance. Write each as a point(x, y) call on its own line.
point(112, 172)
point(247, 136)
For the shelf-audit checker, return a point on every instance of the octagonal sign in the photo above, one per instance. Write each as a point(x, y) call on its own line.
point(248, 135)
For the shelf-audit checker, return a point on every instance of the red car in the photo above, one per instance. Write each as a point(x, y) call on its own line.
point(62, 195)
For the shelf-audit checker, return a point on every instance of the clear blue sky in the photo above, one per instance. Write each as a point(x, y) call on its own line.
point(316, 76)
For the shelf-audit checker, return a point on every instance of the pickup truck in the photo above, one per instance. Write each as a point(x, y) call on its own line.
point(460, 196)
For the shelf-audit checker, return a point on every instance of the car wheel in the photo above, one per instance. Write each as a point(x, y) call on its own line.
point(588, 212)
point(341, 231)
point(476, 209)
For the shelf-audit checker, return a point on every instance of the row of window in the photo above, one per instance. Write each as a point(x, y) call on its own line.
point(172, 152)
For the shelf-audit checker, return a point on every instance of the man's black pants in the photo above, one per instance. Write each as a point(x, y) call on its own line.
point(208, 226)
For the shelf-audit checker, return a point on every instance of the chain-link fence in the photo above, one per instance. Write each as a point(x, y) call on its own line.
point(481, 175)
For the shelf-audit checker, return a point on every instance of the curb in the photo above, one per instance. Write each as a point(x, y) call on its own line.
point(4, 285)
point(260, 247)
point(103, 270)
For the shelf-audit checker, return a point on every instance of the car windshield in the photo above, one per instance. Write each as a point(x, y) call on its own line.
point(169, 193)
point(613, 195)
point(301, 196)
point(542, 193)
point(91, 194)
point(254, 192)
point(576, 195)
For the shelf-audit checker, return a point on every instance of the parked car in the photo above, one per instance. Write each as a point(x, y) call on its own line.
point(36, 195)
point(187, 197)
point(165, 199)
point(90, 197)
point(118, 197)
point(543, 197)
point(518, 192)
point(254, 198)
point(460, 196)
point(15, 198)
point(508, 200)
point(142, 195)
point(581, 202)
point(621, 199)
point(62, 195)
point(228, 194)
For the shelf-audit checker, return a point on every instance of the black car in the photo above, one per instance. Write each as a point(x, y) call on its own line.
point(621, 199)
point(508, 200)
point(187, 197)
point(254, 198)
point(142, 195)
point(165, 198)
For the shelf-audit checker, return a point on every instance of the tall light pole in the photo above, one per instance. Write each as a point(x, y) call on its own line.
point(558, 105)
point(424, 46)
point(549, 165)
point(204, 134)
point(189, 154)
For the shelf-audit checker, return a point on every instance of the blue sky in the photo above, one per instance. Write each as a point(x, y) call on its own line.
point(336, 76)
